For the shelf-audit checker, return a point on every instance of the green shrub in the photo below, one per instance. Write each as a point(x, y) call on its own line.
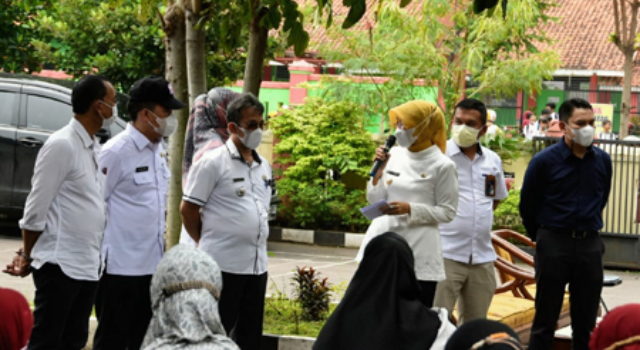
point(507, 215)
point(319, 142)
point(313, 293)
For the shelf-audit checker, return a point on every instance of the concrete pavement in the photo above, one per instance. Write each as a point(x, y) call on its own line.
point(335, 263)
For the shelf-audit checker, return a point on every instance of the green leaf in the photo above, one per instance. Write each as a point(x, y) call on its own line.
point(275, 17)
point(358, 9)
point(404, 3)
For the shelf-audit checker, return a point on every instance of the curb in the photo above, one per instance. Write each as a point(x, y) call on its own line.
point(286, 342)
point(318, 237)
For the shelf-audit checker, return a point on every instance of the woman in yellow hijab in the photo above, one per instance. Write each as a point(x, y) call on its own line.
point(420, 185)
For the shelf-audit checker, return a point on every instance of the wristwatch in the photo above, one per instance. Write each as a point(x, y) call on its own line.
point(25, 256)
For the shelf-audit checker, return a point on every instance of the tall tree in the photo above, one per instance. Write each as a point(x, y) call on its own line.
point(195, 48)
point(262, 16)
point(16, 32)
point(105, 36)
point(175, 30)
point(446, 46)
point(625, 37)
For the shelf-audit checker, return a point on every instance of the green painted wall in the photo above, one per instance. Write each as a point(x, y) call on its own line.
point(270, 97)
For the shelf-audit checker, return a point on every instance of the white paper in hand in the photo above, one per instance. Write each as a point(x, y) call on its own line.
point(374, 210)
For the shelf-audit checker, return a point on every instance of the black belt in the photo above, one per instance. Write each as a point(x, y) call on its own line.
point(576, 234)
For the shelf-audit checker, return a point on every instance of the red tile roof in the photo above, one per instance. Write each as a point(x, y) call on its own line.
point(581, 33)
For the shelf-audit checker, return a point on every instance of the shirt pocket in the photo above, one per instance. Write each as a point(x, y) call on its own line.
point(480, 180)
point(142, 179)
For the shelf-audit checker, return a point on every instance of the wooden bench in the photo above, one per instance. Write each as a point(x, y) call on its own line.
point(514, 301)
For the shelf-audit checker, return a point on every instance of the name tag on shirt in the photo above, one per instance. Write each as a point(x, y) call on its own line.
point(142, 169)
point(490, 185)
point(238, 179)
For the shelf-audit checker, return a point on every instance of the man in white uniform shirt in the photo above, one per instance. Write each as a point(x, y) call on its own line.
point(225, 209)
point(64, 221)
point(466, 241)
point(135, 164)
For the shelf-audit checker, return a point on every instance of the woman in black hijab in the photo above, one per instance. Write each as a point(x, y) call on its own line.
point(381, 309)
point(484, 334)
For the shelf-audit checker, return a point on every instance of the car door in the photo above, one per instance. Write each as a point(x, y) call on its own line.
point(42, 112)
point(9, 103)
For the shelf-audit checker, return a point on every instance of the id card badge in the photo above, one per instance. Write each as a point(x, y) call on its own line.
point(490, 185)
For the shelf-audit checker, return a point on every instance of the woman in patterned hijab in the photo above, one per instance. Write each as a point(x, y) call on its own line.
point(207, 126)
point(206, 130)
point(184, 297)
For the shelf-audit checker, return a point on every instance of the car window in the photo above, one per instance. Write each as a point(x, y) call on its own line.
point(47, 114)
point(7, 103)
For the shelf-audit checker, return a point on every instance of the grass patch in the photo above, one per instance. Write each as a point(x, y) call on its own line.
point(283, 316)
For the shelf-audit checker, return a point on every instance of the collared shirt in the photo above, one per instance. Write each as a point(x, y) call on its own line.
point(235, 197)
point(563, 191)
point(136, 188)
point(66, 203)
point(468, 237)
point(607, 136)
point(427, 180)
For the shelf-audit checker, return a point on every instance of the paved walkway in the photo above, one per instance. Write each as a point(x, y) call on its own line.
point(335, 263)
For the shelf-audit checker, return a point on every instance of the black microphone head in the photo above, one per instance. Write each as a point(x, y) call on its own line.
point(391, 140)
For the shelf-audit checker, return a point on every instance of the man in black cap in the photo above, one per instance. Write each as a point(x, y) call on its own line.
point(135, 164)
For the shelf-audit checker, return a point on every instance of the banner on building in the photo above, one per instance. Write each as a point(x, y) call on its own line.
point(602, 112)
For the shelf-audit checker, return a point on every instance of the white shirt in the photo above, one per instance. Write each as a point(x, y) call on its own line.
point(235, 197)
point(428, 181)
point(492, 130)
point(607, 136)
point(530, 131)
point(66, 204)
point(468, 236)
point(136, 196)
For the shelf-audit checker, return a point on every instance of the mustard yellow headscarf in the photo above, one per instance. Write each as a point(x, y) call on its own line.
point(415, 112)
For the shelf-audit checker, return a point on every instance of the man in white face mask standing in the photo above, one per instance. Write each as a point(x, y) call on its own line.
point(564, 193)
point(466, 241)
point(225, 210)
point(135, 165)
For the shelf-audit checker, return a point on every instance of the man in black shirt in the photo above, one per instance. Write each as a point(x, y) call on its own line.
point(565, 190)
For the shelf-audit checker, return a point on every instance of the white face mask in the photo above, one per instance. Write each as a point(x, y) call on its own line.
point(407, 137)
point(251, 139)
point(583, 136)
point(464, 136)
point(106, 122)
point(167, 126)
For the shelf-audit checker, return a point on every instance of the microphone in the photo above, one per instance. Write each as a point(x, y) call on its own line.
point(391, 140)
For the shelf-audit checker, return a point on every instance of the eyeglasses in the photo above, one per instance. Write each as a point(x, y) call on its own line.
point(254, 125)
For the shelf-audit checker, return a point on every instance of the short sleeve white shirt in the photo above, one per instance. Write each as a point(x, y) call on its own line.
point(66, 203)
point(235, 198)
point(468, 236)
point(136, 196)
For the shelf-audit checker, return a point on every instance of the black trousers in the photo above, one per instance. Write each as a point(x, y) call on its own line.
point(559, 260)
point(123, 309)
point(63, 307)
point(428, 292)
point(242, 308)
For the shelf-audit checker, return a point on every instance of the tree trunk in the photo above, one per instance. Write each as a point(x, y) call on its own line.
point(626, 95)
point(196, 62)
point(253, 71)
point(177, 76)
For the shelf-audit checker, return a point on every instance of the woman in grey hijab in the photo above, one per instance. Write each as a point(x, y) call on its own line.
point(206, 130)
point(184, 297)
